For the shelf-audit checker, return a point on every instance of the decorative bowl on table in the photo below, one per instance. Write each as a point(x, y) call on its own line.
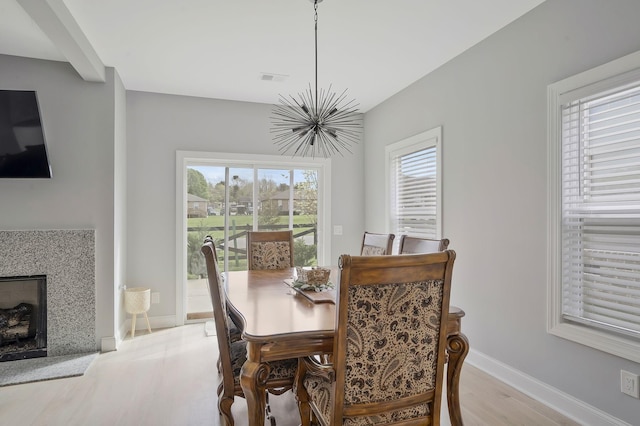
point(310, 277)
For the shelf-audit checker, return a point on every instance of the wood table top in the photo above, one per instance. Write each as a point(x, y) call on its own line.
point(270, 307)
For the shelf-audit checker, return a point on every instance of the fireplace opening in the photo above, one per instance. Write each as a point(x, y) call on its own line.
point(23, 317)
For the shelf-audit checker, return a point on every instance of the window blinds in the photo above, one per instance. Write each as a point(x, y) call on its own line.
point(414, 192)
point(601, 210)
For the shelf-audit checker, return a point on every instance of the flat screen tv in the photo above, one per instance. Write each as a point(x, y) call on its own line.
point(23, 153)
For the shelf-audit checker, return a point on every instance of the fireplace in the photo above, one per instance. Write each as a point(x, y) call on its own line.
point(67, 259)
point(23, 317)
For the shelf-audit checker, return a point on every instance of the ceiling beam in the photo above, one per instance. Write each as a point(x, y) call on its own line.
point(55, 20)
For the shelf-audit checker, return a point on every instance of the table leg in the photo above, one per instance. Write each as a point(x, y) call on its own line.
point(457, 348)
point(253, 377)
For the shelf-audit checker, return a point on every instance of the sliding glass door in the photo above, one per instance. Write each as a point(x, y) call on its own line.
point(226, 199)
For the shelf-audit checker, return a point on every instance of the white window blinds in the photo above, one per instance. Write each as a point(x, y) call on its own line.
point(415, 186)
point(601, 210)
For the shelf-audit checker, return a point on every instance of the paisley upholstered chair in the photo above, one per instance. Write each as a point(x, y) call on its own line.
point(389, 345)
point(234, 354)
point(414, 245)
point(376, 244)
point(269, 249)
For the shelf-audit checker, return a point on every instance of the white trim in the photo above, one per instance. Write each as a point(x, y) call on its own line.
point(617, 72)
point(156, 323)
point(419, 141)
point(559, 401)
point(181, 235)
point(183, 158)
point(108, 344)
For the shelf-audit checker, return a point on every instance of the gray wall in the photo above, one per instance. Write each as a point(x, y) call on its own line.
point(78, 119)
point(158, 126)
point(491, 102)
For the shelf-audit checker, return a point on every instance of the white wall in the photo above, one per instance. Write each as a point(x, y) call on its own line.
point(491, 102)
point(158, 126)
point(78, 120)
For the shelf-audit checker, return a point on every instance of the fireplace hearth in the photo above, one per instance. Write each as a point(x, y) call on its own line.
point(23, 317)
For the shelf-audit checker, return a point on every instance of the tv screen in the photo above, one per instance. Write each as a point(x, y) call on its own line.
point(22, 149)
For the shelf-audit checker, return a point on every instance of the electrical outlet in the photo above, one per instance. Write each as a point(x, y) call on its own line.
point(155, 298)
point(629, 384)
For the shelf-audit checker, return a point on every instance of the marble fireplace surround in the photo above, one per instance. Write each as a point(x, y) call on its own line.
point(67, 258)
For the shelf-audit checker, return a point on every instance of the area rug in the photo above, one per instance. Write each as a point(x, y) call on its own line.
point(46, 368)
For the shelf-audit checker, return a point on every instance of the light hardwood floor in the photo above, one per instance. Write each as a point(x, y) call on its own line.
point(169, 378)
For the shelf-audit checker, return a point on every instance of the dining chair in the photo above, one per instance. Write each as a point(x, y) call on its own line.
point(269, 249)
point(234, 354)
point(235, 332)
point(414, 245)
point(376, 244)
point(389, 345)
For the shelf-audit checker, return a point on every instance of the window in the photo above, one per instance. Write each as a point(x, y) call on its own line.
point(594, 253)
point(414, 176)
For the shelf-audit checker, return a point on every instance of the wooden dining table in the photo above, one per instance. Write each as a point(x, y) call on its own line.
point(281, 323)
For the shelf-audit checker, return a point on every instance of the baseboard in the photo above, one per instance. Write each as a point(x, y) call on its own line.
point(210, 328)
point(166, 321)
point(108, 344)
point(561, 402)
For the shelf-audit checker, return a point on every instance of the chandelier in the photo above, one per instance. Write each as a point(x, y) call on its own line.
point(316, 123)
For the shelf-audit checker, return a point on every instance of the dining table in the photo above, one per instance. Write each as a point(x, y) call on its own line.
point(281, 322)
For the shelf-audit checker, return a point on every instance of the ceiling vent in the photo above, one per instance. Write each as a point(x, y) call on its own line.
point(265, 76)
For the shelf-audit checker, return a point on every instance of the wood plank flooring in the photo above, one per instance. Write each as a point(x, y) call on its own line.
point(169, 378)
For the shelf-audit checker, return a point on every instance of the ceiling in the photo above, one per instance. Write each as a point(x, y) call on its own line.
point(220, 49)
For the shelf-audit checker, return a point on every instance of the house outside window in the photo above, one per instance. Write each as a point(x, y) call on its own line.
point(414, 179)
point(594, 220)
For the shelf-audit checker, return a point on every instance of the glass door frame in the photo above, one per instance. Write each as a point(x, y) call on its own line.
point(190, 158)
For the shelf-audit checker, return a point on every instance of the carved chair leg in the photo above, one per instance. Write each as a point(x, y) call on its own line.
point(305, 413)
point(302, 397)
point(267, 410)
point(457, 349)
point(224, 405)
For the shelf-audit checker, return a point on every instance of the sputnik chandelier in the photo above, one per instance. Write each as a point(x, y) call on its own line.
point(316, 124)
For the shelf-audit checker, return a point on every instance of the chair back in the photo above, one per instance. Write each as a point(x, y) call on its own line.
point(376, 244)
point(269, 249)
point(390, 338)
point(414, 245)
point(219, 313)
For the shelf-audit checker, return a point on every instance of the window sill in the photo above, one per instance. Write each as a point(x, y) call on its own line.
point(616, 345)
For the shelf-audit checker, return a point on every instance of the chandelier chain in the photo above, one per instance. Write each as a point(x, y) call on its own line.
point(315, 19)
